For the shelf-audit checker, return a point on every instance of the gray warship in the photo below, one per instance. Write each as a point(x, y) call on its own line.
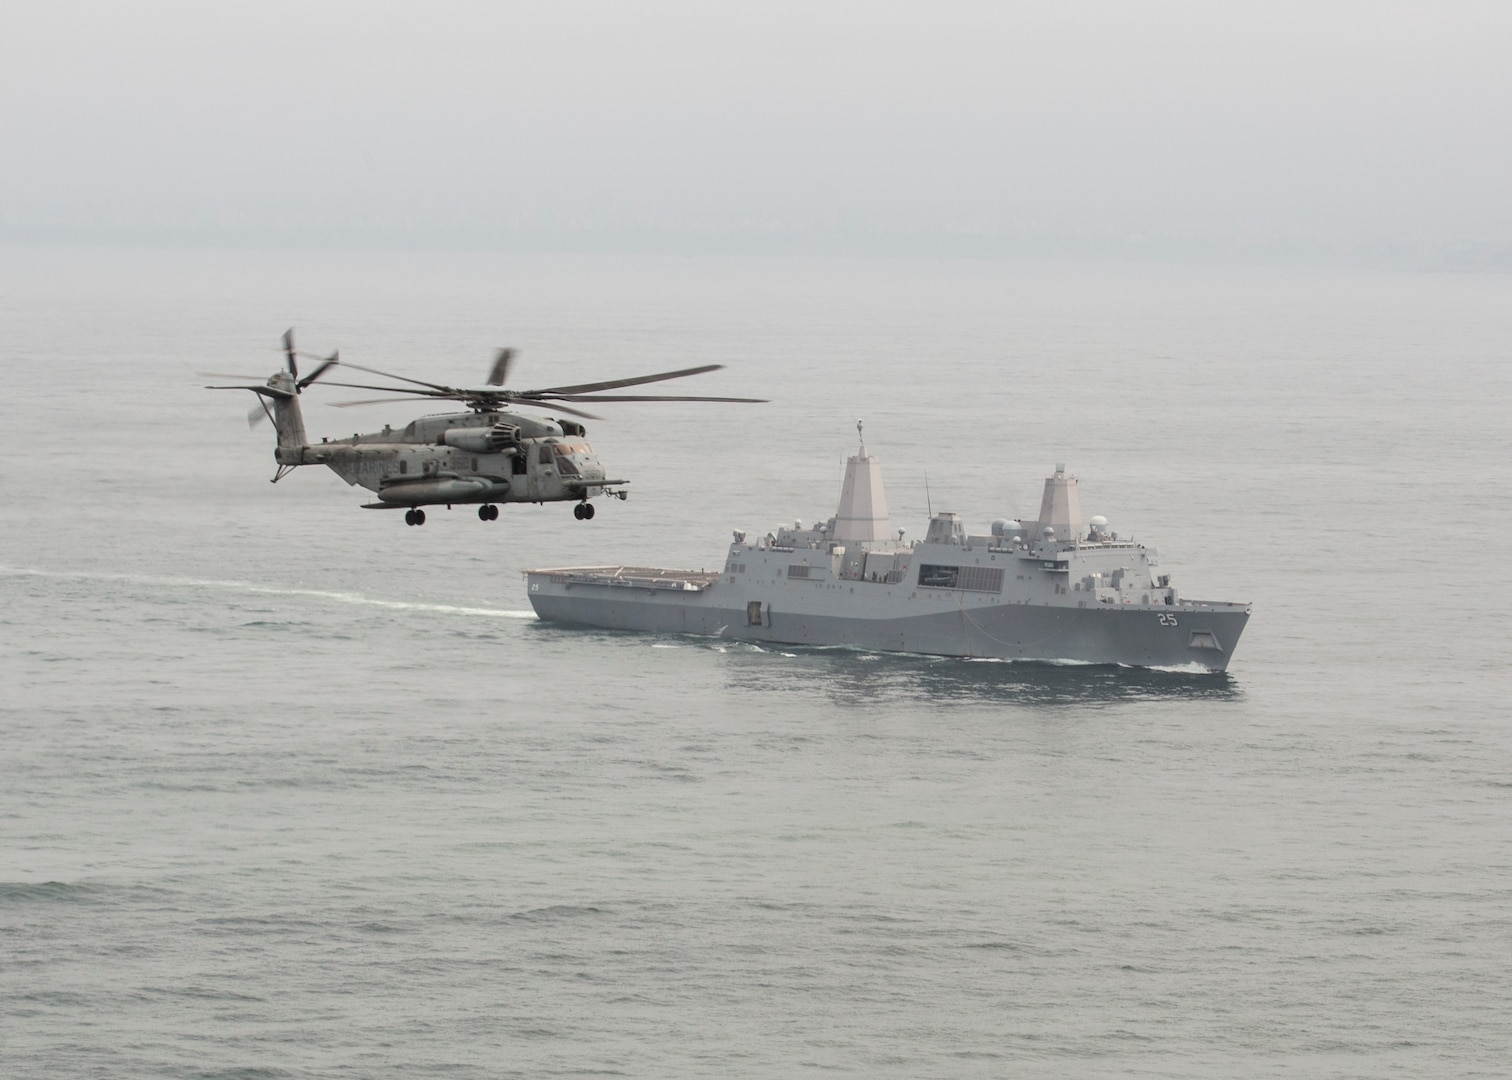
point(1053, 589)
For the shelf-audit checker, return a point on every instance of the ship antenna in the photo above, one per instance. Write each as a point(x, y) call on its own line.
point(928, 506)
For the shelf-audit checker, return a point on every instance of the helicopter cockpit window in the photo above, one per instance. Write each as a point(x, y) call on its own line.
point(544, 457)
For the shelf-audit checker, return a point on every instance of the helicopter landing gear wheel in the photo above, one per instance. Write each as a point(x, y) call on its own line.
point(587, 511)
point(577, 511)
point(414, 517)
point(583, 511)
point(488, 512)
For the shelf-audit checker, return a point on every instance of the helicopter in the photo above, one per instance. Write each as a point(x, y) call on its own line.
point(485, 456)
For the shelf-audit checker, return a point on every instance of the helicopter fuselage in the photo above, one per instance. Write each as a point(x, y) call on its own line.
point(471, 457)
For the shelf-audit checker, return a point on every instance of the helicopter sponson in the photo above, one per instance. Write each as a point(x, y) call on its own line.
point(485, 456)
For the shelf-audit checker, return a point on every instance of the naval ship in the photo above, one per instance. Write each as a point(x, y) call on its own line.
point(1053, 589)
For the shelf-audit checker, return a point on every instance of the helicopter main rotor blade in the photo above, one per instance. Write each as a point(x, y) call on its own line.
point(399, 378)
point(556, 406)
point(500, 371)
point(381, 400)
point(501, 403)
point(289, 352)
point(465, 393)
point(440, 392)
point(226, 375)
point(614, 384)
point(656, 397)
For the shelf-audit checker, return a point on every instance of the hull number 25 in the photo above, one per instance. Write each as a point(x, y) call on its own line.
point(1166, 620)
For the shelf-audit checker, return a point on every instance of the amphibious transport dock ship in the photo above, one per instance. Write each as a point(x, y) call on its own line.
point(1052, 589)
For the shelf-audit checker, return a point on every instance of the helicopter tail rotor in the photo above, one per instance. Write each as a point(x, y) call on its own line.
point(288, 343)
point(320, 369)
point(257, 414)
point(280, 387)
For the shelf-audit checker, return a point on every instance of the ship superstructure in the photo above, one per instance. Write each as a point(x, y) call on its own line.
point(1056, 589)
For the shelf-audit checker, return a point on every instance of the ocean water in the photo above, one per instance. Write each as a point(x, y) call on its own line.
point(289, 789)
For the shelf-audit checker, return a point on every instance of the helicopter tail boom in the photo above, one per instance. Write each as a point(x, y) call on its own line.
point(289, 422)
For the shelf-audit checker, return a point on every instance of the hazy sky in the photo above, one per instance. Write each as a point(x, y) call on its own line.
point(1350, 123)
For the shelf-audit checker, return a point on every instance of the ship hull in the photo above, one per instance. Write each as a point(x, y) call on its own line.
point(1188, 634)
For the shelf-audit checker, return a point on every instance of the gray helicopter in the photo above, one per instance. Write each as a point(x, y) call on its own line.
point(484, 457)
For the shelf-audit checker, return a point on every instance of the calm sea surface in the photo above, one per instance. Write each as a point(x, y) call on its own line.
point(288, 789)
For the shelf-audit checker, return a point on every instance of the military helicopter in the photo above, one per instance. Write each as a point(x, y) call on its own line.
point(485, 456)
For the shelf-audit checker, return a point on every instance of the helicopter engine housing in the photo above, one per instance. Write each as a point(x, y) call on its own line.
point(491, 440)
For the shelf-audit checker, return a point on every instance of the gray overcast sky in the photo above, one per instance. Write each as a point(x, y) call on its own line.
point(1348, 123)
